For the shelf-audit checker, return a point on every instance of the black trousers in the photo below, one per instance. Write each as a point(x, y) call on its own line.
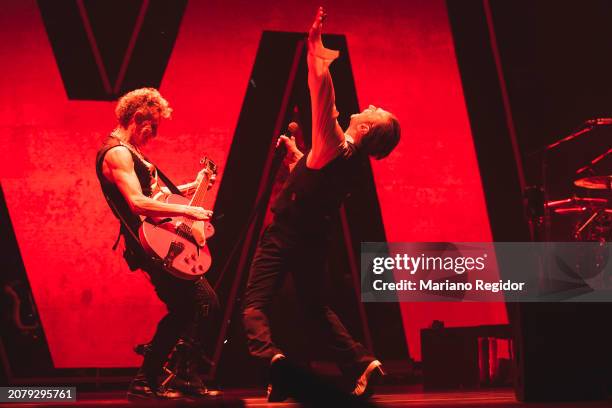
point(192, 309)
point(286, 249)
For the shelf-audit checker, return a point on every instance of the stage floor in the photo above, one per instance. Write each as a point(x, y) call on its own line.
point(387, 397)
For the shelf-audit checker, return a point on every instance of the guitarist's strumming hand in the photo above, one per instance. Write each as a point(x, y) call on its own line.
point(197, 213)
point(200, 215)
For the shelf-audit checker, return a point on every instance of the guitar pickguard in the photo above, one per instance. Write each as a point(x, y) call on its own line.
point(175, 250)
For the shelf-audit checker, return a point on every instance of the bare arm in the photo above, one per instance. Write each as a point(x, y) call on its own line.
point(187, 188)
point(118, 167)
point(327, 136)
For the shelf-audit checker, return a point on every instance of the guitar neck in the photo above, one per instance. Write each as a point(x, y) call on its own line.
point(198, 197)
point(200, 192)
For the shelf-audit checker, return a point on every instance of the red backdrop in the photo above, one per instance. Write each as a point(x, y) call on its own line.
point(93, 310)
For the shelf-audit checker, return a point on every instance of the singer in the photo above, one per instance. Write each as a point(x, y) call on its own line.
point(297, 239)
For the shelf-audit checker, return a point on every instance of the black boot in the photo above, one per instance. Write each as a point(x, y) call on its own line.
point(188, 379)
point(195, 387)
point(146, 387)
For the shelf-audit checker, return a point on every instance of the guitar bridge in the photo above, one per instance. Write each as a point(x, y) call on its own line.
point(185, 229)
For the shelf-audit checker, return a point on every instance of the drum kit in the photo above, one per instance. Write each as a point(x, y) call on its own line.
point(579, 227)
point(591, 204)
point(595, 214)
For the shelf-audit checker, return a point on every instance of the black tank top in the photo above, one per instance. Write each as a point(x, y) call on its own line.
point(311, 198)
point(117, 203)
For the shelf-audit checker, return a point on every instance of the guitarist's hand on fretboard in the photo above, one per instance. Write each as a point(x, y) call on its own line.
point(202, 173)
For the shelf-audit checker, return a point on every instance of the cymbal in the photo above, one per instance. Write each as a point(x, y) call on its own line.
point(595, 182)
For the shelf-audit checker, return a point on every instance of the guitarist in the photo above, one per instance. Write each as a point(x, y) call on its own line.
point(130, 185)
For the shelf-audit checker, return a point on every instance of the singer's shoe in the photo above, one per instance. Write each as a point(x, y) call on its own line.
point(373, 373)
point(276, 392)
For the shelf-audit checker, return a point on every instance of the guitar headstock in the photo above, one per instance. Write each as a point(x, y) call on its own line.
point(209, 165)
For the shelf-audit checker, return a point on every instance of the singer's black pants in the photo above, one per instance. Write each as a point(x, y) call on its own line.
point(286, 249)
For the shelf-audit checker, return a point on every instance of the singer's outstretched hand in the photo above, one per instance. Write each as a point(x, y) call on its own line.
point(314, 35)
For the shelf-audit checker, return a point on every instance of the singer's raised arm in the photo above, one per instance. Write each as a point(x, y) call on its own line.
point(327, 137)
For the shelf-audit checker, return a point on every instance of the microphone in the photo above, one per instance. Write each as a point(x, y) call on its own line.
point(293, 127)
point(599, 122)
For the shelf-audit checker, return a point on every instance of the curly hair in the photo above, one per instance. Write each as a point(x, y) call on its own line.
point(141, 99)
point(382, 138)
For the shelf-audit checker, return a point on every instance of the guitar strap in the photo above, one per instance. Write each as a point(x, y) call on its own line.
point(173, 189)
